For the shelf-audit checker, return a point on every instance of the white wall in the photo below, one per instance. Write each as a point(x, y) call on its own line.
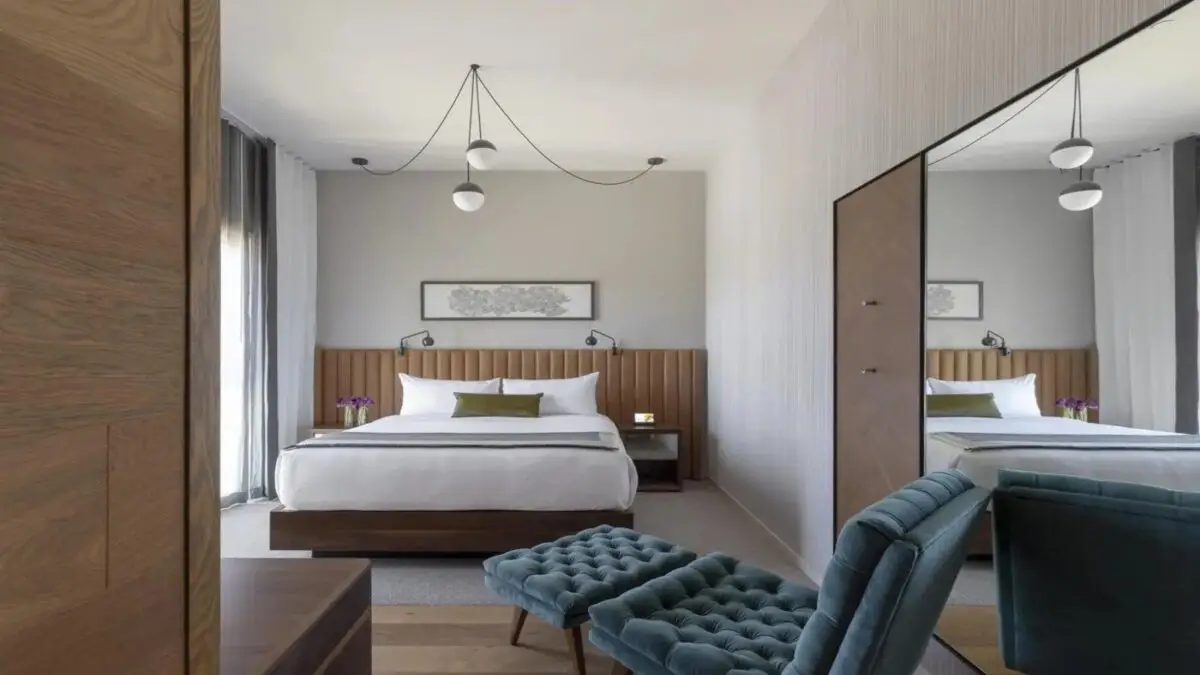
point(1006, 229)
point(642, 243)
point(874, 82)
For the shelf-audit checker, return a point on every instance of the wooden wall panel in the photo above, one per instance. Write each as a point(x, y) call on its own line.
point(1061, 373)
point(109, 225)
point(671, 383)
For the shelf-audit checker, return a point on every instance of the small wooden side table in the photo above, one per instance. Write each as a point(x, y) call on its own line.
point(321, 431)
point(655, 453)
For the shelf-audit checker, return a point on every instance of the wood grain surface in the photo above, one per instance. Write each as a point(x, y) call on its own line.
point(879, 331)
point(295, 616)
point(671, 383)
point(455, 640)
point(204, 339)
point(104, 221)
point(93, 337)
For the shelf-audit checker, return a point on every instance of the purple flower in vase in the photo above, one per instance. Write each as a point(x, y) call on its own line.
point(1092, 404)
point(1061, 402)
point(366, 401)
point(342, 402)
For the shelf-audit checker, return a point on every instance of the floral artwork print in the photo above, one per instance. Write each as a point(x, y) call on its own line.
point(938, 300)
point(508, 299)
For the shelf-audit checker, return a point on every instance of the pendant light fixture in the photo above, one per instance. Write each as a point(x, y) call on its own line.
point(1073, 153)
point(482, 154)
point(1076, 150)
point(1081, 195)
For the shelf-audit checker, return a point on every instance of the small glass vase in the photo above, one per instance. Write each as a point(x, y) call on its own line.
point(1067, 413)
point(362, 415)
point(347, 417)
point(1081, 414)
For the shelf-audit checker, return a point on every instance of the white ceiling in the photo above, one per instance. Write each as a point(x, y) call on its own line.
point(1143, 92)
point(598, 84)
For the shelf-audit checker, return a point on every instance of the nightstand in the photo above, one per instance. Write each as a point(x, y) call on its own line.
point(655, 454)
point(321, 431)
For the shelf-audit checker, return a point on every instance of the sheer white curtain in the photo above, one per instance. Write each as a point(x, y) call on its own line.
point(243, 329)
point(1133, 263)
point(295, 190)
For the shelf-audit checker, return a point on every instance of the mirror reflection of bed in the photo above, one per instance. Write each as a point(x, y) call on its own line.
point(1057, 340)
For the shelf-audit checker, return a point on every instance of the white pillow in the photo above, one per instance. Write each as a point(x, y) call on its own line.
point(423, 396)
point(1016, 397)
point(572, 396)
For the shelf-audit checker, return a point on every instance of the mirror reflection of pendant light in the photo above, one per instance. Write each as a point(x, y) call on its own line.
point(481, 153)
point(1076, 150)
point(1073, 154)
point(1081, 195)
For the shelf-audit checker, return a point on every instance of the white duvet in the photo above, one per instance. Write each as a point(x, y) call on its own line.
point(461, 479)
point(1177, 470)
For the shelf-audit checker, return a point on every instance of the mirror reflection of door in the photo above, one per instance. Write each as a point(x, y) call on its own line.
point(1061, 295)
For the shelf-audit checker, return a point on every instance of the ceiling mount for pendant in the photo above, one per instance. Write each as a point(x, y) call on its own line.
point(481, 154)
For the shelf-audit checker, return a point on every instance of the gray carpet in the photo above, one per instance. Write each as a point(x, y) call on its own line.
point(430, 581)
point(702, 518)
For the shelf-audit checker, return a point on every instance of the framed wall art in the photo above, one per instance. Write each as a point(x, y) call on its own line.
point(508, 300)
point(954, 300)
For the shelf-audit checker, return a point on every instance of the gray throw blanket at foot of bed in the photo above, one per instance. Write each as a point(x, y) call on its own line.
point(980, 442)
point(583, 440)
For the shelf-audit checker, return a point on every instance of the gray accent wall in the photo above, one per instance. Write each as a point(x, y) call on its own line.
point(1006, 229)
point(642, 243)
point(871, 83)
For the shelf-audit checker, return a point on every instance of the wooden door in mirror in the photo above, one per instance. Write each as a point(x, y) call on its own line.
point(879, 324)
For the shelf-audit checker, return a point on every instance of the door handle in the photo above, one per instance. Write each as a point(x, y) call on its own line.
point(870, 303)
point(869, 371)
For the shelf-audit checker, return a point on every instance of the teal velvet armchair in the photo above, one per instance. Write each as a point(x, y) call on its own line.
point(1096, 577)
point(892, 570)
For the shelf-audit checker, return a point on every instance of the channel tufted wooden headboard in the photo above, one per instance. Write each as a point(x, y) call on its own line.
point(1061, 373)
point(671, 383)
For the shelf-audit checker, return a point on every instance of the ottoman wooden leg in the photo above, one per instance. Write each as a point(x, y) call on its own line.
point(518, 622)
point(575, 649)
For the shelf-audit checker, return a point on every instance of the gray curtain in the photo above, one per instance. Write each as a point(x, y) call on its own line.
point(244, 344)
point(1187, 278)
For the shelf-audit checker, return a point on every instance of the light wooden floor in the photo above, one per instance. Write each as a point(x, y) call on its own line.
point(972, 631)
point(454, 639)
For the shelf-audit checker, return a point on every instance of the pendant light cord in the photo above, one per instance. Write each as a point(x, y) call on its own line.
point(546, 157)
point(412, 159)
point(1010, 118)
point(475, 113)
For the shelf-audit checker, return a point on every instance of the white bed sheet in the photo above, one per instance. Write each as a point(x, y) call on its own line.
point(1177, 470)
point(461, 479)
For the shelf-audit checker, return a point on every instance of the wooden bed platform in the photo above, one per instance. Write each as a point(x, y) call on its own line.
point(334, 532)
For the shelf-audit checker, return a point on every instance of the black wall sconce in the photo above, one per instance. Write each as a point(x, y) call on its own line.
point(426, 341)
point(591, 341)
point(996, 341)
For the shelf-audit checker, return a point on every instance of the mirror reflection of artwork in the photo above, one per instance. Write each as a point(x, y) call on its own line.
point(954, 300)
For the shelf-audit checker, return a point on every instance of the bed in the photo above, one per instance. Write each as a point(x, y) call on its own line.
point(1157, 465)
point(1039, 440)
point(429, 482)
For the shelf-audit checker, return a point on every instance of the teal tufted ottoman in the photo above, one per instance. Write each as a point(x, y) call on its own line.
point(715, 616)
point(560, 580)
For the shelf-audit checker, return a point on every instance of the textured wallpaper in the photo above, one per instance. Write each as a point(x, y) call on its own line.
point(874, 82)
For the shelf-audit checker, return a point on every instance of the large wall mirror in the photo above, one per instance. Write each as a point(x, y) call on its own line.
point(1061, 309)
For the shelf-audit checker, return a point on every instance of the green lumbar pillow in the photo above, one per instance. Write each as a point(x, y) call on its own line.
point(497, 405)
point(961, 405)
